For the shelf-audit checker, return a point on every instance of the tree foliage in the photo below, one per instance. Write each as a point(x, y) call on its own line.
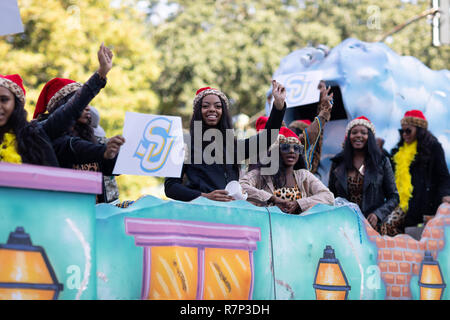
point(61, 39)
point(236, 45)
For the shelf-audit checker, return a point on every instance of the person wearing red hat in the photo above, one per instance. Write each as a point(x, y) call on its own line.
point(260, 123)
point(362, 175)
point(292, 188)
point(206, 179)
point(421, 173)
point(76, 147)
point(22, 141)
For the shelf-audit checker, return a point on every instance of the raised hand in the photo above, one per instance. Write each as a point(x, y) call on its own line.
point(113, 147)
point(279, 94)
point(218, 195)
point(325, 104)
point(105, 56)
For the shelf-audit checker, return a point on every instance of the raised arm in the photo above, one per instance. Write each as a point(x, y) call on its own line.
point(66, 115)
point(324, 114)
point(273, 124)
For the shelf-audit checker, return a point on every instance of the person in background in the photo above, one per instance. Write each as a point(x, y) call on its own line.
point(362, 175)
point(211, 109)
point(77, 147)
point(421, 173)
point(292, 189)
point(111, 190)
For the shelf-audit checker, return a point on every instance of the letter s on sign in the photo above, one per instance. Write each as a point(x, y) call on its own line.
point(155, 144)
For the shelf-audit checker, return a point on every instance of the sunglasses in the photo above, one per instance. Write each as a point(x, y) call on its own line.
point(407, 131)
point(286, 147)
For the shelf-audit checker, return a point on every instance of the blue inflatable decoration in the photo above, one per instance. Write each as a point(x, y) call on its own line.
point(372, 80)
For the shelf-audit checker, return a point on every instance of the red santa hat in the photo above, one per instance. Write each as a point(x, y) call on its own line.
point(261, 123)
point(205, 91)
point(415, 118)
point(286, 135)
point(360, 121)
point(14, 84)
point(53, 91)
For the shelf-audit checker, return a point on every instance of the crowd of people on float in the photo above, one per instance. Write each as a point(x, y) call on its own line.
point(393, 190)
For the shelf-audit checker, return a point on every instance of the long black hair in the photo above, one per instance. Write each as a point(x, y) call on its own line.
point(224, 122)
point(425, 139)
point(373, 154)
point(30, 144)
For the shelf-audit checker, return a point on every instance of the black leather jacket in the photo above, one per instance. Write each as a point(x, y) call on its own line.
point(430, 180)
point(380, 195)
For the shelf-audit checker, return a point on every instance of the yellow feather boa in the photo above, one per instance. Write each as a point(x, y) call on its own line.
point(403, 159)
point(8, 151)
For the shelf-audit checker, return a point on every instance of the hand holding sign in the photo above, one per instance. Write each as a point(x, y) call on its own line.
point(301, 88)
point(152, 145)
point(279, 94)
point(113, 147)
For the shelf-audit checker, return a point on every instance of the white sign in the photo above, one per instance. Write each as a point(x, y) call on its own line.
point(301, 88)
point(10, 21)
point(153, 146)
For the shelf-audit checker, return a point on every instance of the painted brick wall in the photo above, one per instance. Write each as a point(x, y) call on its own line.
point(399, 257)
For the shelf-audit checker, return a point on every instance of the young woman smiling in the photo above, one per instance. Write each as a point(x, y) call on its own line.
point(362, 175)
point(202, 178)
point(292, 189)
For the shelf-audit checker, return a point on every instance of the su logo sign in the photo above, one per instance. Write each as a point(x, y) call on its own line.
point(297, 86)
point(155, 145)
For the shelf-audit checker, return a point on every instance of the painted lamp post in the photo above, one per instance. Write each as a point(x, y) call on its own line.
point(25, 271)
point(330, 282)
point(431, 282)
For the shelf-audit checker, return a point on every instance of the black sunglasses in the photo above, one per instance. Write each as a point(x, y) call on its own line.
point(286, 147)
point(407, 131)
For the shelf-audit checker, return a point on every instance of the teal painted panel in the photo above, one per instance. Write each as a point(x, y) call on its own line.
point(120, 261)
point(300, 242)
point(63, 224)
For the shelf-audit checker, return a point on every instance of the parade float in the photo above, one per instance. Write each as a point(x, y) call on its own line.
point(56, 243)
point(366, 78)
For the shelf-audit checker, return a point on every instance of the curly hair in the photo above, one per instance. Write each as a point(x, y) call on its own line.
point(30, 144)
